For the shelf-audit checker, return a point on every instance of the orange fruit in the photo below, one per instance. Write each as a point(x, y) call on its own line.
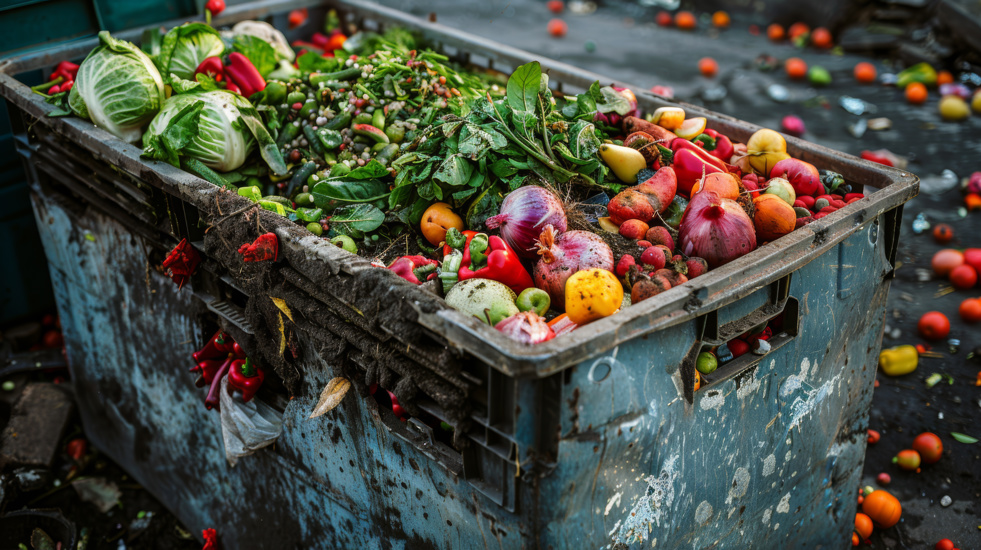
point(916, 93)
point(437, 220)
point(944, 77)
point(664, 19)
point(795, 67)
point(775, 32)
point(708, 67)
point(821, 38)
point(865, 72)
point(970, 310)
point(557, 28)
point(797, 29)
point(685, 20)
point(720, 19)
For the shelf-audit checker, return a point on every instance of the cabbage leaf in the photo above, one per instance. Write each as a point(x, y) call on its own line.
point(185, 47)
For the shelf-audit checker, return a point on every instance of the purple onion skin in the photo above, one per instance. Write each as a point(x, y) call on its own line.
point(715, 229)
point(524, 214)
point(526, 327)
point(565, 254)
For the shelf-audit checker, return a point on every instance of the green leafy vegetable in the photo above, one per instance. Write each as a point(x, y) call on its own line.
point(356, 219)
point(118, 88)
point(185, 47)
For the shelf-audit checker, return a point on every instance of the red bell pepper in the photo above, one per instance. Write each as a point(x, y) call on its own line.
point(717, 145)
point(242, 73)
point(484, 258)
point(691, 163)
point(246, 378)
point(212, 67)
point(414, 269)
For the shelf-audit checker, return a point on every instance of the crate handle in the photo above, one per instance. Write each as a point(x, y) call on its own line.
point(711, 334)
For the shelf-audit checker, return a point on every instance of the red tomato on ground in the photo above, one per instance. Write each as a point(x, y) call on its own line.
point(963, 277)
point(708, 67)
point(946, 260)
point(929, 446)
point(557, 28)
point(970, 310)
point(934, 325)
point(555, 6)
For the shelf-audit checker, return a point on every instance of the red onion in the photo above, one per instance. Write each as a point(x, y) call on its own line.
point(524, 214)
point(564, 254)
point(716, 229)
point(526, 327)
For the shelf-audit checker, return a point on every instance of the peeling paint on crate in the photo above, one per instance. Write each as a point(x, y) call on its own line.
point(713, 399)
point(614, 501)
point(767, 514)
point(769, 465)
point(703, 513)
point(784, 506)
point(750, 385)
point(651, 508)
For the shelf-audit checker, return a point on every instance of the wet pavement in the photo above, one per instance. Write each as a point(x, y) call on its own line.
point(630, 48)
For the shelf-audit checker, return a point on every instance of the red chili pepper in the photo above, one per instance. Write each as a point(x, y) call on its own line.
point(495, 261)
point(232, 88)
point(414, 269)
point(76, 448)
point(67, 85)
point(210, 539)
point(245, 377)
point(212, 67)
point(241, 72)
point(66, 70)
point(181, 263)
point(215, 6)
point(691, 162)
point(54, 90)
point(217, 347)
point(869, 155)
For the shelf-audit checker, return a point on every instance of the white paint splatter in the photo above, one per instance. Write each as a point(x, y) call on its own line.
point(739, 485)
point(776, 526)
point(788, 456)
point(766, 516)
point(614, 501)
point(650, 508)
point(703, 513)
point(769, 465)
point(748, 387)
point(784, 505)
point(713, 400)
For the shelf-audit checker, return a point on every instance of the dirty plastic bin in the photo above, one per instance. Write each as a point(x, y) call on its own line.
point(591, 440)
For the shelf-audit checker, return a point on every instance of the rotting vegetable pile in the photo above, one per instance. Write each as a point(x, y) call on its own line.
point(536, 212)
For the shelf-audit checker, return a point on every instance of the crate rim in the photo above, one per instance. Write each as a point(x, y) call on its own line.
point(684, 303)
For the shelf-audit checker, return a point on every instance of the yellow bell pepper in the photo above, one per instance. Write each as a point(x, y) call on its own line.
point(592, 294)
point(899, 360)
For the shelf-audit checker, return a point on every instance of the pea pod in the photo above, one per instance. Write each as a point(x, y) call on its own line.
point(378, 119)
point(302, 199)
point(344, 74)
point(300, 177)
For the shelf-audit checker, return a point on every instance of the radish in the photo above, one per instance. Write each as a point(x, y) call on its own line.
point(564, 254)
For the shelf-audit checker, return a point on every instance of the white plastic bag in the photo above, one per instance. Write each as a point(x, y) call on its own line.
point(247, 427)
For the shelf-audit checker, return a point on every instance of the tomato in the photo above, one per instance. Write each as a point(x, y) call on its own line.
point(873, 437)
point(797, 29)
point(557, 28)
point(52, 339)
point(298, 17)
point(664, 19)
point(883, 508)
point(865, 72)
point(970, 310)
point(934, 325)
point(555, 6)
point(795, 67)
point(944, 77)
point(944, 544)
point(929, 446)
point(685, 20)
point(946, 260)
point(907, 459)
point(963, 277)
point(855, 540)
point(972, 257)
point(821, 38)
point(765, 149)
point(437, 220)
point(720, 19)
point(775, 32)
point(708, 67)
point(943, 233)
point(863, 525)
point(916, 93)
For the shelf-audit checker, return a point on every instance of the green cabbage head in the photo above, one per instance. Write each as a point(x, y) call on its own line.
point(118, 88)
point(217, 127)
point(185, 47)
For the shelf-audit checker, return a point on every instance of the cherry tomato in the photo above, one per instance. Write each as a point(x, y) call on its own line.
point(963, 277)
point(907, 459)
point(555, 6)
point(557, 28)
point(934, 325)
point(916, 93)
point(795, 67)
point(972, 257)
point(865, 72)
point(708, 67)
point(215, 6)
point(929, 446)
point(944, 544)
point(970, 310)
point(873, 437)
point(943, 233)
point(664, 19)
point(883, 479)
point(775, 32)
point(685, 20)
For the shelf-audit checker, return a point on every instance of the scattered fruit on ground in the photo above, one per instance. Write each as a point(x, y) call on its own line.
point(795, 67)
point(933, 325)
point(916, 93)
